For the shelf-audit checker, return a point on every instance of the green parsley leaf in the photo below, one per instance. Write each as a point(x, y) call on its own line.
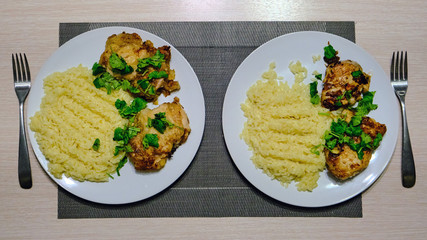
point(159, 122)
point(357, 74)
point(96, 144)
point(107, 81)
point(329, 52)
point(331, 144)
point(363, 108)
point(147, 87)
point(315, 149)
point(314, 97)
point(126, 86)
point(353, 131)
point(155, 75)
point(339, 126)
point(130, 111)
point(120, 104)
point(150, 140)
point(360, 153)
point(121, 165)
point(348, 95)
point(119, 65)
point(318, 76)
point(122, 137)
point(377, 140)
point(97, 69)
point(155, 61)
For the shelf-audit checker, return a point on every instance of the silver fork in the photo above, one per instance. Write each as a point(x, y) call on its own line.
point(22, 82)
point(399, 81)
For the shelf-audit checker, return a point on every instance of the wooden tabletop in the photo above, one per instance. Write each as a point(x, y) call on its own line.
point(389, 210)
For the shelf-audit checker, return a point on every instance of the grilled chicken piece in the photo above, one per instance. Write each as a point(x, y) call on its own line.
point(153, 158)
point(131, 48)
point(340, 87)
point(343, 162)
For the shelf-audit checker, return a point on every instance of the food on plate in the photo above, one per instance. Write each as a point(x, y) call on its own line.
point(344, 82)
point(352, 136)
point(343, 161)
point(91, 121)
point(163, 129)
point(145, 67)
point(74, 126)
point(283, 129)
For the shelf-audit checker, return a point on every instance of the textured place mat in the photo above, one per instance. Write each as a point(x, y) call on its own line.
point(212, 186)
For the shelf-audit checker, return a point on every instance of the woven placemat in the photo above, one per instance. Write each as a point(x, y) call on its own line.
point(212, 186)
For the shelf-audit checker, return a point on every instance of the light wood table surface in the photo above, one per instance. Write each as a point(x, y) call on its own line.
point(389, 210)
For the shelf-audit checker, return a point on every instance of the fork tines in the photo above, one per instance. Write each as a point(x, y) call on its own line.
point(19, 67)
point(399, 71)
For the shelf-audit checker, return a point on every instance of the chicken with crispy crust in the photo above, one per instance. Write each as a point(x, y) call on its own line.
point(342, 161)
point(171, 132)
point(134, 50)
point(344, 84)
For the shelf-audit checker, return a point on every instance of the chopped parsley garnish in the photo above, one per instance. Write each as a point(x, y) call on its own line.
point(357, 74)
point(150, 140)
point(315, 149)
point(121, 164)
point(314, 97)
point(329, 52)
point(318, 76)
point(119, 65)
point(155, 74)
point(342, 132)
point(130, 111)
point(97, 69)
point(155, 61)
point(363, 108)
point(107, 81)
point(147, 87)
point(96, 144)
point(159, 122)
point(126, 86)
point(122, 137)
point(348, 95)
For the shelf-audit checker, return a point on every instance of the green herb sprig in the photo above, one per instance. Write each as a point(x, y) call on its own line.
point(129, 111)
point(150, 140)
point(122, 137)
point(107, 81)
point(96, 144)
point(159, 122)
point(329, 52)
point(147, 87)
point(119, 65)
point(342, 132)
point(155, 61)
point(314, 96)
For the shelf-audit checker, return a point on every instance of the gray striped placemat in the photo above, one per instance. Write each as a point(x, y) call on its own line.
point(211, 186)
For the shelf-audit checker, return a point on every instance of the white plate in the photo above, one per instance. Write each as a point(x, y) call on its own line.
point(131, 186)
point(302, 46)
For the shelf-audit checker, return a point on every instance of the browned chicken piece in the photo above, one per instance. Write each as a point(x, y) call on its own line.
point(131, 48)
point(343, 84)
point(343, 162)
point(154, 158)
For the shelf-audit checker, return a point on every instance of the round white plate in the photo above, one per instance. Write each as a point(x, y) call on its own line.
point(132, 185)
point(302, 46)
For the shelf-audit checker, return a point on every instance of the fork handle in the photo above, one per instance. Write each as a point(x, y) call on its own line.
point(24, 168)
point(408, 165)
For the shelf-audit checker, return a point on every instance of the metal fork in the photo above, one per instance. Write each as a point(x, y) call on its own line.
point(22, 82)
point(399, 81)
